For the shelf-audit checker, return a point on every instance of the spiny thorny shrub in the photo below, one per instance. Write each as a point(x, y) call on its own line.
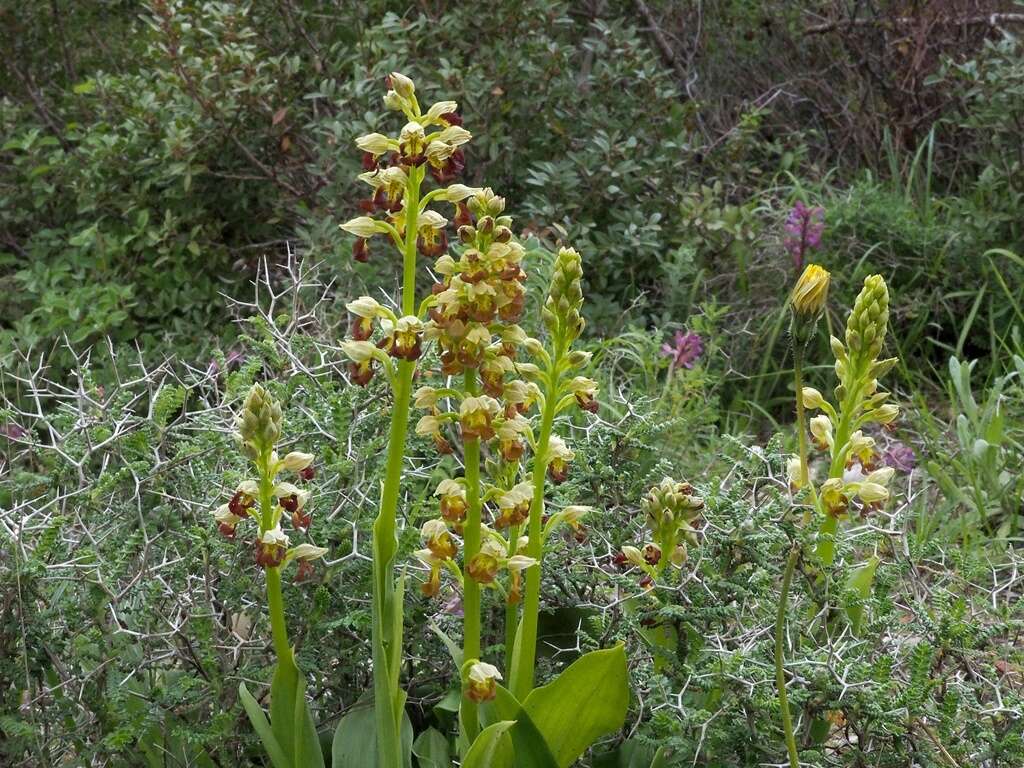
point(135, 621)
point(128, 621)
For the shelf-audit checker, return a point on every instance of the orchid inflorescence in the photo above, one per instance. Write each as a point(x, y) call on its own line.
point(493, 401)
point(856, 471)
point(803, 230)
point(474, 330)
point(265, 500)
point(671, 511)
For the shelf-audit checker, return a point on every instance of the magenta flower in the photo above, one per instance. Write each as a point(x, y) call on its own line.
point(804, 227)
point(900, 456)
point(684, 349)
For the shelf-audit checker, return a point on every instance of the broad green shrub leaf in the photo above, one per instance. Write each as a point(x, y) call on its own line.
point(355, 739)
point(492, 748)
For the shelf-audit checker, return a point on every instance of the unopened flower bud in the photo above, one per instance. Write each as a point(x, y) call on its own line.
point(456, 193)
point(363, 226)
point(871, 493)
point(679, 555)
point(375, 143)
point(886, 414)
point(578, 358)
point(812, 398)
point(401, 85)
point(794, 473)
point(296, 461)
point(633, 555)
point(811, 292)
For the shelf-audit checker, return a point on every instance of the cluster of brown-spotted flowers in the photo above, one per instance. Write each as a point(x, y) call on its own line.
point(671, 511)
point(440, 550)
point(433, 140)
point(400, 338)
point(479, 292)
point(472, 313)
point(265, 499)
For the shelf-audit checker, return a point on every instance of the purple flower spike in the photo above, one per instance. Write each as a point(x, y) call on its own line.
point(900, 457)
point(804, 227)
point(684, 349)
point(13, 431)
point(453, 606)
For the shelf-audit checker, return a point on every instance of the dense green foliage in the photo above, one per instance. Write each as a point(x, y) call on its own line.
point(157, 158)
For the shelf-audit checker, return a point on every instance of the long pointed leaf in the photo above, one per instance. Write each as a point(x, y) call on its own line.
point(259, 724)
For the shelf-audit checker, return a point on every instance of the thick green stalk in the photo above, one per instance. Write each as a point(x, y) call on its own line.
point(794, 554)
point(780, 671)
point(471, 546)
point(387, 639)
point(826, 549)
point(511, 609)
point(801, 424)
point(275, 602)
point(526, 652)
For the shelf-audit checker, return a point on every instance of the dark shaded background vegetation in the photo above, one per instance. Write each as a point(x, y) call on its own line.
point(155, 152)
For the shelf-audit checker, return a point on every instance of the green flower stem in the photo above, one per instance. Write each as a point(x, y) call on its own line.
point(826, 548)
point(386, 632)
point(794, 555)
point(526, 651)
point(511, 609)
point(275, 602)
point(471, 546)
point(801, 423)
point(780, 671)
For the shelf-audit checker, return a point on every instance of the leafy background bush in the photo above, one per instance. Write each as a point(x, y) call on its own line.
point(159, 158)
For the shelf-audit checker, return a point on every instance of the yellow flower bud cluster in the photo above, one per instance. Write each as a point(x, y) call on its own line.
point(265, 500)
point(671, 510)
point(838, 429)
point(565, 297)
